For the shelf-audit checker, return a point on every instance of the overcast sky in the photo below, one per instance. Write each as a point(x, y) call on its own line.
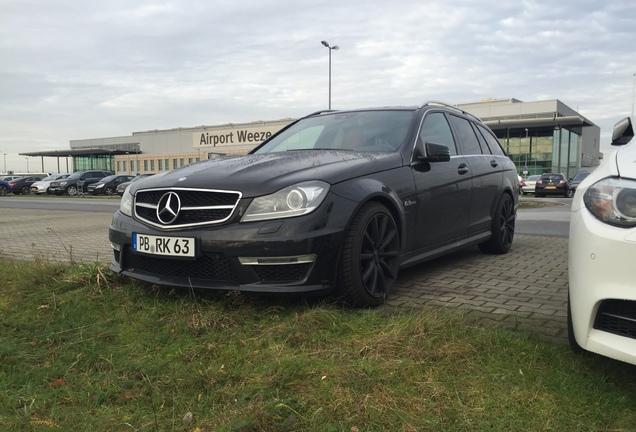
point(73, 69)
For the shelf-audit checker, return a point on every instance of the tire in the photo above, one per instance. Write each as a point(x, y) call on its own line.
point(108, 190)
point(4, 191)
point(574, 345)
point(71, 190)
point(536, 195)
point(25, 190)
point(369, 259)
point(503, 227)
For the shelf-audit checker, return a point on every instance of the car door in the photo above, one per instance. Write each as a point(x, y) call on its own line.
point(486, 172)
point(91, 177)
point(443, 189)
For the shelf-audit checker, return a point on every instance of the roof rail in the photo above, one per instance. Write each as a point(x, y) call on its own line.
point(318, 113)
point(433, 102)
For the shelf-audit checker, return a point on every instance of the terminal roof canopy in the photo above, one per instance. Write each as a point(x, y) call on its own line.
point(80, 152)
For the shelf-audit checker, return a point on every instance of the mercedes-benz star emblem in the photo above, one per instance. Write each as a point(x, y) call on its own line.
point(168, 208)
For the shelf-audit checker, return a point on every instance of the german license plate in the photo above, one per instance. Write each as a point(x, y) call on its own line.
point(162, 245)
point(550, 187)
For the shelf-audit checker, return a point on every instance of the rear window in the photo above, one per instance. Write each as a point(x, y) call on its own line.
point(552, 177)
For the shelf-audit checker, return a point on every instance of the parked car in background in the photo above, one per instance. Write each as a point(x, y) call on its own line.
point(552, 184)
point(5, 188)
point(70, 186)
point(42, 186)
point(602, 283)
point(337, 200)
point(522, 183)
point(574, 183)
point(9, 178)
point(108, 185)
point(122, 186)
point(530, 181)
point(22, 185)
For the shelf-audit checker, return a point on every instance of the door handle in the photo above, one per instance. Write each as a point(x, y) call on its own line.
point(493, 163)
point(462, 169)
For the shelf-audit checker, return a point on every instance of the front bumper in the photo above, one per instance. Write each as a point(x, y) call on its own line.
point(602, 287)
point(268, 256)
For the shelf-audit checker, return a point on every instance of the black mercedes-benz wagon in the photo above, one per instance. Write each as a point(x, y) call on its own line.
point(337, 201)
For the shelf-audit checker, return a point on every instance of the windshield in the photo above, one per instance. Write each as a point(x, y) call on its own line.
point(55, 177)
point(580, 176)
point(364, 131)
point(107, 179)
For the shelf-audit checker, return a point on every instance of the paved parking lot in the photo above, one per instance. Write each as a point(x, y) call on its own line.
point(525, 289)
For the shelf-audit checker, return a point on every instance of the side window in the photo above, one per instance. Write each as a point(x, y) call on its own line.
point(435, 129)
point(493, 143)
point(482, 141)
point(466, 136)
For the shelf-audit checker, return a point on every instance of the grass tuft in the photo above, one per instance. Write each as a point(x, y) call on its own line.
point(83, 349)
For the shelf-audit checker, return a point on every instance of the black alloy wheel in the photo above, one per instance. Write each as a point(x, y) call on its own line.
point(503, 227)
point(108, 190)
point(25, 190)
point(71, 190)
point(370, 257)
point(3, 190)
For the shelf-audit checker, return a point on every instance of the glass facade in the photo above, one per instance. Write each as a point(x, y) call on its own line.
point(542, 150)
point(94, 162)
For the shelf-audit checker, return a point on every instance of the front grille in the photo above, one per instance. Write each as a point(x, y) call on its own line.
point(281, 273)
point(196, 207)
point(617, 317)
point(210, 267)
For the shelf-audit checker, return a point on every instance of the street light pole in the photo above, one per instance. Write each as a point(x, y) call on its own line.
point(5, 163)
point(330, 48)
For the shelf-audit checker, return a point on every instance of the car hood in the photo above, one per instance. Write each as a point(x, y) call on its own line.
point(626, 160)
point(260, 174)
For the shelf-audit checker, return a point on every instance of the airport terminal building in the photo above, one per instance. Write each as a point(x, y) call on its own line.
point(542, 136)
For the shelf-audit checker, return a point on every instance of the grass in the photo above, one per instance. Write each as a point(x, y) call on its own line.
point(82, 349)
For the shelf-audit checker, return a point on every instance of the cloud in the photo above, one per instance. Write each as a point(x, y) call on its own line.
point(74, 70)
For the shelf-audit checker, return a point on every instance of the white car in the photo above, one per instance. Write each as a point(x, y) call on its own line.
point(528, 188)
point(42, 186)
point(602, 255)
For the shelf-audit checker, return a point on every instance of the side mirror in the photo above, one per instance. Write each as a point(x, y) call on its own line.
point(435, 153)
point(623, 132)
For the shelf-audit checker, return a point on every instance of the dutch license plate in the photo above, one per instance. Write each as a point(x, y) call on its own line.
point(550, 187)
point(161, 245)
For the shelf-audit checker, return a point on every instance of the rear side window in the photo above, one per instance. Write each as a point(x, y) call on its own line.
point(493, 143)
point(466, 135)
point(435, 129)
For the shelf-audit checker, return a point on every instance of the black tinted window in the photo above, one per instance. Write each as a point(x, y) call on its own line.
point(493, 143)
point(435, 129)
point(466, 135)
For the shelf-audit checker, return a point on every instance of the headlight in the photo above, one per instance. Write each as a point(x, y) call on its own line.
point(101, 185)
point(613, 201)
point(125, 206)
point(63, 183)
point(292, 201)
